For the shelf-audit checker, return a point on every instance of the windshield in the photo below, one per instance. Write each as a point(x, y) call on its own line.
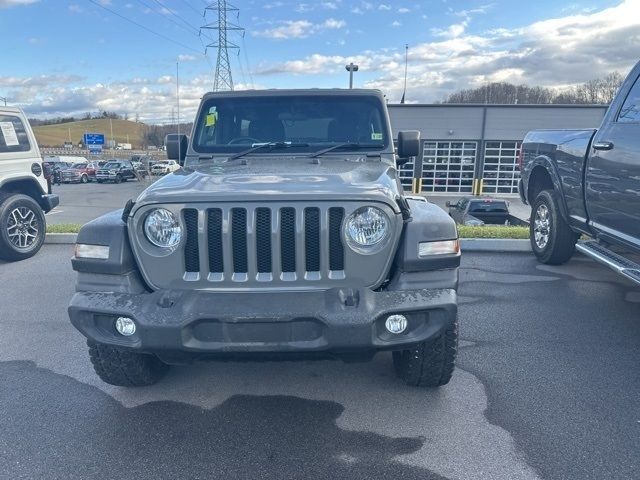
point(112, 165)
point(488, 207)
point(311, 122)
point(79, 165)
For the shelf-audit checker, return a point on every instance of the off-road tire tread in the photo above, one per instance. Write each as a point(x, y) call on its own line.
point(562, 240)
point(431, 363)
point(121, 367)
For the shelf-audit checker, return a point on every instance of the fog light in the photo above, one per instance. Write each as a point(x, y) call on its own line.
point(125, 326)
point(396, 323)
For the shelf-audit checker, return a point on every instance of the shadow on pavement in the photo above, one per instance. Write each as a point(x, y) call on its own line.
point(56, 427)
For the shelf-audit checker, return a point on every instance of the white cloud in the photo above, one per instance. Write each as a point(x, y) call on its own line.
point(299, 29)
point(403, 10)
point(16, 3)
point(384, 7)
point(396, 23)
point(554, 53)
point(187, 58)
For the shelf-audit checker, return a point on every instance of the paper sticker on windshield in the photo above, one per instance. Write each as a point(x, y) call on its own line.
point(212, 118)
point(376, 136)
point(9, 134)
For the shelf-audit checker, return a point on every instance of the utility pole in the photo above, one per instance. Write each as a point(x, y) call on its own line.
point(351, 68)
point(406, 66)
point(4, 99)
point(222, 79)
point(113, 143)
point(178, 106)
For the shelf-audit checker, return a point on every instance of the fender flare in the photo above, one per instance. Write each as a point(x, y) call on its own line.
point(543, 161)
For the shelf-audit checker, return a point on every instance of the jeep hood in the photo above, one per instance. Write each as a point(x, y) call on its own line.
point(265, 179)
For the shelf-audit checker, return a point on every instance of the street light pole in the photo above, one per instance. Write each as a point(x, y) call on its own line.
point(351, 68)
point(4, 99)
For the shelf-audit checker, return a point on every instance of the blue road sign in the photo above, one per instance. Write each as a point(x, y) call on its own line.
point(93, 139)
point(95, 149)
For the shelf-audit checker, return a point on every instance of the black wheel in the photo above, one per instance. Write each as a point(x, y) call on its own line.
point(431, 363)
point(552, 240)
point(99, 181)
point(22, 227)
point(84, 179)
point(124, 368)
point(118, 178)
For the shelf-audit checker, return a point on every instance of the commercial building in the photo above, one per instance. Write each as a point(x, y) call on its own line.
point(474, 148)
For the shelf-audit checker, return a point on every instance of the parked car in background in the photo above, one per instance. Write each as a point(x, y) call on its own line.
point(116, 171)
point(79, 173)
point(96, 164)
point(140, 169)
point(24, 197)
point(164, 166)
point(482, 211)
point(587, 182)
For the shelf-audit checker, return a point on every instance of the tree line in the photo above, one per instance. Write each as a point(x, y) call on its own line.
point(597, 91)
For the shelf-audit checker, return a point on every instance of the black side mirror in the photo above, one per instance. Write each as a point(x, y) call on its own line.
point(176, 147)
point(448, 203)
point(408, 144)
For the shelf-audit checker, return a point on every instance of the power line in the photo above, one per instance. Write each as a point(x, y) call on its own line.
point(143, 27)
point(199, 12)
point(151, 8)
point(197, 30)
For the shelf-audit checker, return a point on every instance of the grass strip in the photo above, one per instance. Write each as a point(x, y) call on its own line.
point(493, 231)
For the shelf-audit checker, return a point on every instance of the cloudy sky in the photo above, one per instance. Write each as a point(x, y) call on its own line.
point(61, 57)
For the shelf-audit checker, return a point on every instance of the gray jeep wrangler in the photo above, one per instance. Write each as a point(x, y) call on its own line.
point(285, 234)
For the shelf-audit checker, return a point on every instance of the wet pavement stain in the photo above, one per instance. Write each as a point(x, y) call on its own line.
point(52, 426)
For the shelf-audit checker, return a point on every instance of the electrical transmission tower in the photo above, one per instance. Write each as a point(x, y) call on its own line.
point(223, 79)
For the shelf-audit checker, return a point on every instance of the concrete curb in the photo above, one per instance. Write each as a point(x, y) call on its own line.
point(61, 238)
point(467, 244)
point(494, 245)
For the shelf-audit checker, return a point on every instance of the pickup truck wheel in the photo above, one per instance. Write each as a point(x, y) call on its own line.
point(84, 179)
point(124, 368)
point(431, 363)
point(22, 227)
point(552, 240)
point(118, 178)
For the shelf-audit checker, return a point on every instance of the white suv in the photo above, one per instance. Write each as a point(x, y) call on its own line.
point(24, 196)
point(164, 166)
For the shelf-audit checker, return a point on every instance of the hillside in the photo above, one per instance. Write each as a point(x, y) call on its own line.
point(56, 135)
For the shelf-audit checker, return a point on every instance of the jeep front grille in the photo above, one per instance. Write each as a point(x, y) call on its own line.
point(264, 243)
point(261, 246)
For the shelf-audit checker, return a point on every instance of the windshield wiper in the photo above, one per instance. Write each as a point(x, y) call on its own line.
point(268, 145)
point(355, 146)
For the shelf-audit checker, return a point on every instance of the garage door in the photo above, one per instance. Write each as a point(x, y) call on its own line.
point(501, 172)
point(448, 166)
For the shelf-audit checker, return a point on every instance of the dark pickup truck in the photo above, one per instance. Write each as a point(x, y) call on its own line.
point(587, 182)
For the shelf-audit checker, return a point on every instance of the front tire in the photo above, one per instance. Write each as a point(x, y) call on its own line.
point(22, 227)
point(431, 363)
point(552, 240)
point(84, 179)
point(118, 179)
point(125, 368)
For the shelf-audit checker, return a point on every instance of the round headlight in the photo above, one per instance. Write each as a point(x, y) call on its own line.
point(162, 228)
point(366, 228)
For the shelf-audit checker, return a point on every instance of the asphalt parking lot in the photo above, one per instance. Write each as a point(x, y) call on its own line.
point(547, 387)
point(81, 203)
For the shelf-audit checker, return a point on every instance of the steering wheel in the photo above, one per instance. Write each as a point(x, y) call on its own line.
point(242, 140)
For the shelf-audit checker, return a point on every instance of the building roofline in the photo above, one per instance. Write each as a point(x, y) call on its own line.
point(499, 105)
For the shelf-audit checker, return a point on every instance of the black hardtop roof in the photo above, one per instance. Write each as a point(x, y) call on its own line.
point(297, 92)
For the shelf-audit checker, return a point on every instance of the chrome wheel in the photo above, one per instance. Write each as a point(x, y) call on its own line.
point(22, 227)
point(541, 226)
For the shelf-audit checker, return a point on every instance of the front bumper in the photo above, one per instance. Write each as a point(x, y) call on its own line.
point(336, 320)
